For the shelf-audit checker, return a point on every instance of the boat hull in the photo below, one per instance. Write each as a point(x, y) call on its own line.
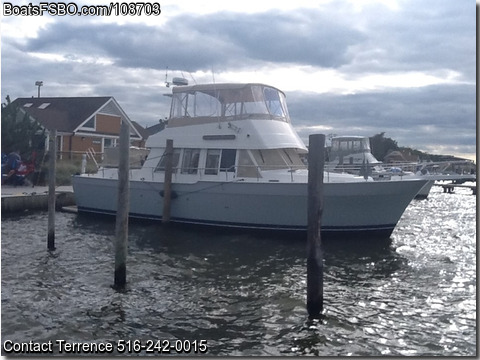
point(360, 208)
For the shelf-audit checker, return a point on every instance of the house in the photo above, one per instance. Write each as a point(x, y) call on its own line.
point(400, 156)
point(83, 124)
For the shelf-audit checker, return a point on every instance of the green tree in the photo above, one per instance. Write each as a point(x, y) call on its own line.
point(381, 145)
point(20, 133)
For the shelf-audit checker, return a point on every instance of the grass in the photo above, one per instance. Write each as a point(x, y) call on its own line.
point(64, 171)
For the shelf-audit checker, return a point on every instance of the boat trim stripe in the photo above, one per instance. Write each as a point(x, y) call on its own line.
point(343, 229)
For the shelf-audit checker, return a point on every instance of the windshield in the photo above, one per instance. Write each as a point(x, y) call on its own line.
point(229, 102)
point(351, 145)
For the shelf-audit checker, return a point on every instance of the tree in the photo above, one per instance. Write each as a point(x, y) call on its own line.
point(381, 146)
point(20, 133)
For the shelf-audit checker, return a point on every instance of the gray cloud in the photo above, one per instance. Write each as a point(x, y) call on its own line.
point(221, 40)
point(421, 118)
point(430, 37)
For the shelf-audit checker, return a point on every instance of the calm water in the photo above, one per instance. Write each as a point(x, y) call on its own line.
point(414, 294)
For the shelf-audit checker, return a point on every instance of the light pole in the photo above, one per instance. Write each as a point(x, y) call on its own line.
point(38, 83)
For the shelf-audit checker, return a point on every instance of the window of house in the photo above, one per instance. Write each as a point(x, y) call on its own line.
point(27, 105)
point(90, 123)
point(109, 143)
point(44, 106)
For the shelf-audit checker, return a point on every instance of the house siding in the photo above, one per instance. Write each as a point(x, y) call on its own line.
point(69, 117)
point(108, 124)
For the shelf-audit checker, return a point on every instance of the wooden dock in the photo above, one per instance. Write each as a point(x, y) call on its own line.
point(450, 188)
point(21, 198)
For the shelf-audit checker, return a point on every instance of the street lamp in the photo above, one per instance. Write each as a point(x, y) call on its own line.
point(38, 83)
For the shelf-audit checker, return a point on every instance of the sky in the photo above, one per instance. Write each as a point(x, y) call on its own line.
point(406, 68)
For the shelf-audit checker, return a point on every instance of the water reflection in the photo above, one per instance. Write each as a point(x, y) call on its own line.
point(413, 294)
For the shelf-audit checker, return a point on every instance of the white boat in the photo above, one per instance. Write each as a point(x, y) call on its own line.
point(238, 163)
point(352, 154)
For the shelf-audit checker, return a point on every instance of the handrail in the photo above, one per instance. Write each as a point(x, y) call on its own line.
point(259, 173)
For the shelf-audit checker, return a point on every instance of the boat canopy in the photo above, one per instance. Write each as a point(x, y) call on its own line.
point(226, 102)
point(351, 144)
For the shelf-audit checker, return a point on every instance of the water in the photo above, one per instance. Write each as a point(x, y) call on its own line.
point(244, 293)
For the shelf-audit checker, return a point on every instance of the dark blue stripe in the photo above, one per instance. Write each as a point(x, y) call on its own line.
point(380, 229)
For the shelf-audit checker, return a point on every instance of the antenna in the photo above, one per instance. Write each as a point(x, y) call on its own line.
point(167, 84)
point(192, 78)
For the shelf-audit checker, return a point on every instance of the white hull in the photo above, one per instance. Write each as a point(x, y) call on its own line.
point(360, 207)
point(237, 162)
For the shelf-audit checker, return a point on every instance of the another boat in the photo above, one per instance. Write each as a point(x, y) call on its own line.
point(352, 154)
point(238, 163)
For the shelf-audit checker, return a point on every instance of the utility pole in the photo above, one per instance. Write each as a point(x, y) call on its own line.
point(39, 84)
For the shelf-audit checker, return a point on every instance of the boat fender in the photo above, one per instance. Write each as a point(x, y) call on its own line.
point(173, 194)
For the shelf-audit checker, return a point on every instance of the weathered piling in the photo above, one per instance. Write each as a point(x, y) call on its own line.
point(52, 150)
point(167, 183)
point(316, 160)
point(121, 225)
point(84, 164)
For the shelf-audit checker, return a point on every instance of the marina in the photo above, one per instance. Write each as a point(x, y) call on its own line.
point(244, 293)
point(180, 179)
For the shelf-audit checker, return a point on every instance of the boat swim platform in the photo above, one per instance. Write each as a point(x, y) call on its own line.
point(22, 198)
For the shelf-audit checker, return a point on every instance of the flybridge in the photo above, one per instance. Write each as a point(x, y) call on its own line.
point(226, 102)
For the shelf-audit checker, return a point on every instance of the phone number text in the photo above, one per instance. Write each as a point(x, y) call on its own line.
point(162, 346)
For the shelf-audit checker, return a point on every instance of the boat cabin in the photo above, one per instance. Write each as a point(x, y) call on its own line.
point(351, 150)
point(236, 130)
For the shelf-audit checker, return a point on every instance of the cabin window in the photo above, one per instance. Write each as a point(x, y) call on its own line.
point(213, 159)
point(211, 103)
point(275, 105)
point(228, 160)
point(246, 167)
point(190, 161)
point(204, 105)
point(163, 159)
point(292, 158)
point(197, 104)
point(269, 159)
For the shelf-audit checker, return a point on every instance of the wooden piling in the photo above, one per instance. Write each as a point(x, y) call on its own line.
point(167, 183)
point(84, 164)
point(121, 225)
point(52, 150)
point(316, 160)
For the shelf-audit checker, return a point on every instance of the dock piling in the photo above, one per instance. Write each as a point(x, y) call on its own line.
point(167, 190)
point(121, 225)
point(84, 164)
point(316, 162)
point(51, 189)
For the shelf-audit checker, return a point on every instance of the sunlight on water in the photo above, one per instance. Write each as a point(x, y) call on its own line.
point(411, 295)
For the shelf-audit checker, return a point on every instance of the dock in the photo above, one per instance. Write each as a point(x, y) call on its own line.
point(22, 198)
point(450, 188)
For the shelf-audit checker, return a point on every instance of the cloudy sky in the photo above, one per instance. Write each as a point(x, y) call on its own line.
point(348, 67)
